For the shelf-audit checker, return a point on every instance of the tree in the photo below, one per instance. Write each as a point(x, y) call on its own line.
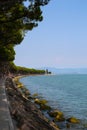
point(7, 53)
point(15, 20)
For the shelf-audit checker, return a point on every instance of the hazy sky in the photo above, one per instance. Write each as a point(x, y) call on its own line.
point(60, 40)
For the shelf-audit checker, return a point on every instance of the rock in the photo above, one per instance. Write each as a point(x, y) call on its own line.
point(27, 126)
point(54, 113)
point(27, 93)
point(38, 101)
point(35, 95)
point(73, 120)
point(20, 85)
point(67, 125)
point(59, 118)
point(42, 104)
point(85, 125)
point(25, 113)
point(58, 115)
point(45, 107)
point(24, 127)
point(54, 125)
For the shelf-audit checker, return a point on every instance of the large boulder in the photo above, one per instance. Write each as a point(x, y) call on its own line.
point(39, 102)
point(58, 115)
point(42, 103)
point(45, 107)
point(73, 120)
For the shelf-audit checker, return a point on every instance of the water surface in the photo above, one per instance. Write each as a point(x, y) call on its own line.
point(66, 92)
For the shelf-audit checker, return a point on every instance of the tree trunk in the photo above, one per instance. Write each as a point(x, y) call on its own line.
point(4, 68)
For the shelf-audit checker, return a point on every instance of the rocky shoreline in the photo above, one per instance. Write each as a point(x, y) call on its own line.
point(25, 114)
point(28, 112)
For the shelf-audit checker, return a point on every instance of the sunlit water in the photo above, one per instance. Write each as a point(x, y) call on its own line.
point(65, 92)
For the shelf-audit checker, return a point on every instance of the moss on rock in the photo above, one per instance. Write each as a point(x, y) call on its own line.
point(38, 101)
point(54, 113)
point(45, 107)
point(58, 115)
point(73, 120)
point(35, 95)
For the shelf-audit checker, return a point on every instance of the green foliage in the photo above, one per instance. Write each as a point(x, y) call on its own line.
point(23, 70)
point(7, 53)
point(18, 18)
point(15, 20)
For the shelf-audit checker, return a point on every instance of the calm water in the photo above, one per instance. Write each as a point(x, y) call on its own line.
point(65, 92)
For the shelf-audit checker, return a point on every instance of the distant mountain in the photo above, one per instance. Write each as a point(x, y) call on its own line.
point(66, 70)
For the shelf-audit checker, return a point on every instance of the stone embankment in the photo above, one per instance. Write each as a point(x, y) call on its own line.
point(25, 114)
point(5, 118)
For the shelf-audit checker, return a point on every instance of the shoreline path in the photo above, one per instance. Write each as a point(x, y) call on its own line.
point(5, 118)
